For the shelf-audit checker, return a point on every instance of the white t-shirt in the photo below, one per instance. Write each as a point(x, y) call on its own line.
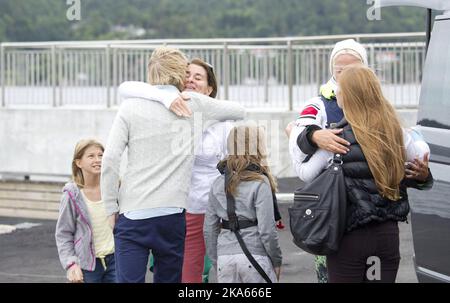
point(213, 149)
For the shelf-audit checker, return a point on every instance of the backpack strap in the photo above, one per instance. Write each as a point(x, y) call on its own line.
point(234, 227)
point(241, 224)
point(221, 166)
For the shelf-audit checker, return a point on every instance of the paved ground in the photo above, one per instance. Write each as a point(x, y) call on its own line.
point(29, 255)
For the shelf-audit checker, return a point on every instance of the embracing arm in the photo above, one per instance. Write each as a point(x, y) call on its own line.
point(418, 174)
point(314, 135)
point(307, 167)
point(214, 110)
point(110, 176)
point(136, 89)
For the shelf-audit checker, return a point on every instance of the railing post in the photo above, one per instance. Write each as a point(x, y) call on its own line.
point(372, 56)
point(290, 75)
point(108, 76)
point(53, 55)
point(115, 82)
point(317, 69)
point(2, 74)
point(266, 77)
point(60, 77)
point(226, 71)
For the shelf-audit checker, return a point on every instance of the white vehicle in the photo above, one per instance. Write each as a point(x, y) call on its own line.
point(430, 210)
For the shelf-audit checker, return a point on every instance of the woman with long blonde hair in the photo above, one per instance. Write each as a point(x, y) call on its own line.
point(252, 186)
point(374, 170)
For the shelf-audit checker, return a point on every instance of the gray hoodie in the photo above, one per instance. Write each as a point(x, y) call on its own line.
point(254, 200)
point(73, 234)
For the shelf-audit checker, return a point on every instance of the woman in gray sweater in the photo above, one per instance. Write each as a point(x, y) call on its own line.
point(252, 187)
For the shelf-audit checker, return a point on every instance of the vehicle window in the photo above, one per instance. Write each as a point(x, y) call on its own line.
point(434, 108)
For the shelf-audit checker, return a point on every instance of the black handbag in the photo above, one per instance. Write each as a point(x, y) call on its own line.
point(317, 217)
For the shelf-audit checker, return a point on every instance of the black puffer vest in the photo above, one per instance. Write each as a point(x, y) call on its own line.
point(365, 204)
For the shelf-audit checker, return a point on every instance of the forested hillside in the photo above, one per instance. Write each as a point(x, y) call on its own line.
point(43, 20)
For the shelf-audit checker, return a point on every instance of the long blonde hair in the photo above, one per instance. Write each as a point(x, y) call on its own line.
point(80, 149)
point(376, 127)
point(167, 66)
point(246, 146)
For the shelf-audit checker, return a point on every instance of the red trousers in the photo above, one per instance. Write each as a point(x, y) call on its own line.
point(194, 249)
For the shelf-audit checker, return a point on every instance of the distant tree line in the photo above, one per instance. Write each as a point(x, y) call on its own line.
point(45, 20)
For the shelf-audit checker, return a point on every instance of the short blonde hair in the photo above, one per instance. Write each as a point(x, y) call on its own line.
point(167, 66)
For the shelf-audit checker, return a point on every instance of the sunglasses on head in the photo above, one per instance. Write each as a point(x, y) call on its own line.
point(209, 65)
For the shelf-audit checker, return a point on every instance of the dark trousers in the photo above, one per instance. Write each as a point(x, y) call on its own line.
point(134, 239)
point(375, 241)
point(100, 274)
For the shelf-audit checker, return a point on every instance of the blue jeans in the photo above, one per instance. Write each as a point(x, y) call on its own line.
point(134, 239)
point(100, 275)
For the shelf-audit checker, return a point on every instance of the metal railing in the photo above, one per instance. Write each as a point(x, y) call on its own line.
point(36, 177)
point(271, 72)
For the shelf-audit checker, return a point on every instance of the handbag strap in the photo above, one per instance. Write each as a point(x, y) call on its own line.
point(234, 227)
point(337, 159)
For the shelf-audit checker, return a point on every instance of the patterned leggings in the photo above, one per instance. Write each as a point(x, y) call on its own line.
point(321, 269)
